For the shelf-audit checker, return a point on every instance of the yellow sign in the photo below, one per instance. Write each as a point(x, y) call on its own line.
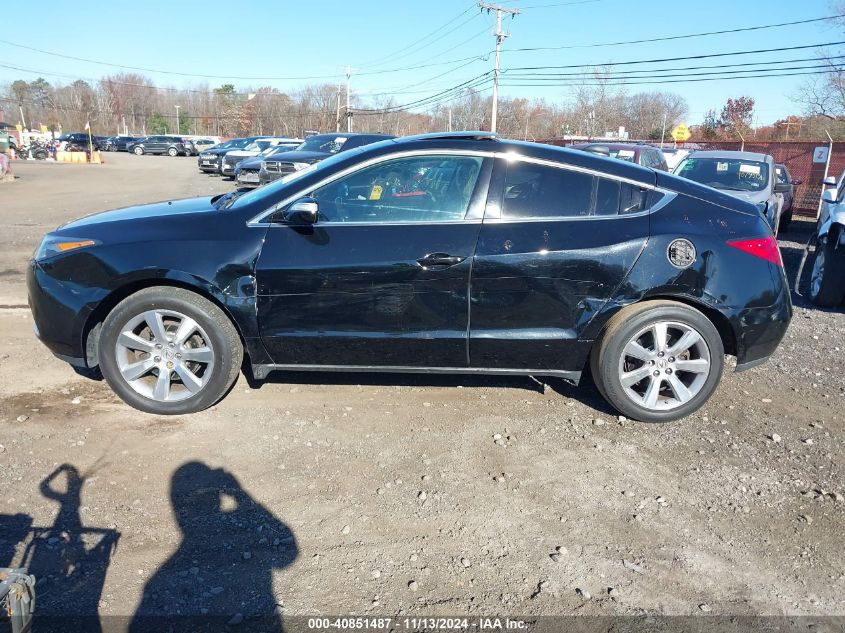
point(681, 133)
point(375, 192)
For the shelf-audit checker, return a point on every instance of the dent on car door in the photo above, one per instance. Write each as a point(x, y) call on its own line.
point(382, 277)
point(553, 248)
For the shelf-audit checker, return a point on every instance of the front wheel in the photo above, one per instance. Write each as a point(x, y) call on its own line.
point(827, 281)
point(169, 351)
point(658, 361)
point(138, 151)
point(172, 151)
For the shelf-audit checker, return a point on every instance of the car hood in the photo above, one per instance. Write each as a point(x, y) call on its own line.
point(242, 152)
point(143, 211)
point(253, 162)
point(298, 157)
point(754, 197)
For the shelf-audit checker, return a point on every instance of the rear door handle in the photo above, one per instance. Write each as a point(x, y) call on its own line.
point(439, 259)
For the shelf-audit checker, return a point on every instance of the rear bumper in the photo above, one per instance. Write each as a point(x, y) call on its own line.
point(760, 330)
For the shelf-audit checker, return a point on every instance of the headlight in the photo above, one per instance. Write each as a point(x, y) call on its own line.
point(54, 244)
point(298, 166)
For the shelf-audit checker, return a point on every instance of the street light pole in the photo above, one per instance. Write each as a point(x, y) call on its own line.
point(178, 131)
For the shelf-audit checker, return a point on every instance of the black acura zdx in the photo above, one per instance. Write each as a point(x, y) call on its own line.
point(459, 253)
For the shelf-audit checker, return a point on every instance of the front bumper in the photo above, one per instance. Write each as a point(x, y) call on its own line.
point(208, 165)
point(248, 178)
point(59, 314)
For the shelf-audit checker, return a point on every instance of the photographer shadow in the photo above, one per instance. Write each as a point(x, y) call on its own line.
point(222, 570)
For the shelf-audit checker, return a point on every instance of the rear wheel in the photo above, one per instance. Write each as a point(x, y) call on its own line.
point(658, 361)
point(138, 151)
point(827, 280)
point(169, 351)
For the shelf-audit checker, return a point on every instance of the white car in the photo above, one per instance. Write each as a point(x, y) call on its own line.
point(827, 280)
point(674, 155)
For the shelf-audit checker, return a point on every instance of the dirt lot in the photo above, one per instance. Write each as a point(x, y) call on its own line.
point(409, 495)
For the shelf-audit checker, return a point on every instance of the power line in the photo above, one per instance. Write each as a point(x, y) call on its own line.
point(636, 74)
point(671, 81)
point(427, 44)
point(673, 37)
point(677, 59)
point(443, 95)
point(235, 77)
point(415, 42)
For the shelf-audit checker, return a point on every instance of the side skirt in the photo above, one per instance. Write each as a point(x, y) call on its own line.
point(262, 371)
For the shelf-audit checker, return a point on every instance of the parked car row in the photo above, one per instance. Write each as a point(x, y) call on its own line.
point(258, 160)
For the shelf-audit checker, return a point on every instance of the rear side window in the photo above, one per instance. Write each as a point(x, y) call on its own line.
point(533, 191)
point(541, 191)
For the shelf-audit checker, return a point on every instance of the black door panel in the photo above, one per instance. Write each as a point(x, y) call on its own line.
point(356, 294)
point(537, 282)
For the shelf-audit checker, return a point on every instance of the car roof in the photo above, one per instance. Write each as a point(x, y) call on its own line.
point(614, 145)
point(487, 142)
point(755, 156)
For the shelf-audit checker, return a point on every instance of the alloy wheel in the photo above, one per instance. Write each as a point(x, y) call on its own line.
point(164, 355)
point(664, 365)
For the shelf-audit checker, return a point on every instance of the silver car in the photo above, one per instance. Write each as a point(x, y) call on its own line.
point(827, 280)
point(748, 176)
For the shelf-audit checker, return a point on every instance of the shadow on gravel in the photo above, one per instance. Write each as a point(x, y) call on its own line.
point(69, 560)
point(221, 571)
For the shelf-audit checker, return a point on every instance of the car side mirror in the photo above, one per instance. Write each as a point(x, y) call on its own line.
point(302, 211)
point(782, 187)
point(829, 195)
point(797, 181)
point(830, 181)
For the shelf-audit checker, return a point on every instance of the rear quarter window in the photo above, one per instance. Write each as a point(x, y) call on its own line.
point(542, 191)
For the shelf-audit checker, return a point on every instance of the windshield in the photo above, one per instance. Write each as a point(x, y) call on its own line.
point(623, 154)
point(733, 174)
point(280, 149)
point(330, 145)
point(256, 146)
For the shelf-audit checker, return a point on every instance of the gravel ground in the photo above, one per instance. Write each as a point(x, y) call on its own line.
point(385, 494)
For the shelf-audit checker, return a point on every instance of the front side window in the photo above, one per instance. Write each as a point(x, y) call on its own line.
point(732, 174)
point(781, 175)
point(413, 189)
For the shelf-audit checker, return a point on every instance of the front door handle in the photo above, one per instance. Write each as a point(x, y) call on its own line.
point(439, 259)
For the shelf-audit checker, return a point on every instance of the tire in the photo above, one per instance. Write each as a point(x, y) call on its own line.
point(172, 152)
point(827, 279)
point(138, 151)
point(702, 361)
point(206, 334)
point(786, 220)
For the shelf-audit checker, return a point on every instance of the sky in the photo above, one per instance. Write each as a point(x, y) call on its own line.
point(412, 50)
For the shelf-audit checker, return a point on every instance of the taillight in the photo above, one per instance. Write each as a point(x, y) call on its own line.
point(762, 247)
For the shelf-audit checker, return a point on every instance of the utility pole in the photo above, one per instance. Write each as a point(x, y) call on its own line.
point(348, 110)
point(177, 119)
point(337, 112)
point(450, 119)
point(663, 133)
point(500, 37)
